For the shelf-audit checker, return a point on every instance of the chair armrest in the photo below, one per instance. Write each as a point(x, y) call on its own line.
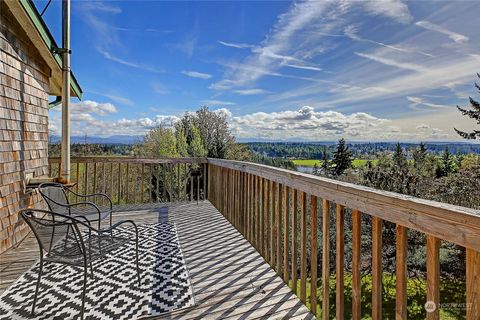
point(93, 195)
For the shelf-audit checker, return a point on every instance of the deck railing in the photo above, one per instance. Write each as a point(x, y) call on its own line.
point(276, 210)
point(129, 180)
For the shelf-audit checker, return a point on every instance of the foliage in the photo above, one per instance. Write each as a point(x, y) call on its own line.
point(342, 158)
point(473, 114)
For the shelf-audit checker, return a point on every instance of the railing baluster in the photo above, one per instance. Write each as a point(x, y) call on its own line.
point(303, 250)
point(206, 192)
point(313, 254)
point(191, 185)
point(473, 284)
point(376, 268)
point(433, 276)
point(111, 180)
point(262, 215)
point(119, 193)
point(294, 240)
point(286, 233)
point(340, 262)
point(356, 271)
point(273, 224)
point(85, 179)
point(401, 274)
point(278, 245)
point(135, 182)
point(94, 179)
point(142, 184)
point(104, 187)
point(326, 259)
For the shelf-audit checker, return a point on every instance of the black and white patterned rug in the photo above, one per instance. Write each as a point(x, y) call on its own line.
point(115, 293)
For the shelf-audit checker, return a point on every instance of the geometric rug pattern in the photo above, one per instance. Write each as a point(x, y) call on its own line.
point(114, 293)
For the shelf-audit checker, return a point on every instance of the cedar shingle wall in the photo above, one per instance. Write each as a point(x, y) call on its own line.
point(24, 80)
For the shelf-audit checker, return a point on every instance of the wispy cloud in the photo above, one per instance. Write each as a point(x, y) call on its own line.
point(351, 32)
point(113, 97)
point(418, 101)
point(218, 103)
point(237, 45)
point(391, 62)
point(160, 88)
point(195, 74)
point(457, 37)
point(395, 9)
point(297, 33)
point(108, 56)
point(249, 92)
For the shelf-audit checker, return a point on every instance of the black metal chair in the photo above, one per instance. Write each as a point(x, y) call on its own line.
point(84, 245)
point(56, 197)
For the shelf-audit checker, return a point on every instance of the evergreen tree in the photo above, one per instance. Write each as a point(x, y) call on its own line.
point(474, 114)
point(447, 163)
point(342, 158)
point(419, 156)
point(399, 158)
point(325, 162)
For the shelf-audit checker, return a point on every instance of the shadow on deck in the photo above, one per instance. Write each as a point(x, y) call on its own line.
point(230, 279)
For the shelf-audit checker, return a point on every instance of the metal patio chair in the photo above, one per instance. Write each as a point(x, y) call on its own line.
point(56, 196)
point(84, 245)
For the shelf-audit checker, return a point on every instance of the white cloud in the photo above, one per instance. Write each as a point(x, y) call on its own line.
point(307, 124)
point(249, 92)
point(89, 106)
point(195, 74)
point(457, 37)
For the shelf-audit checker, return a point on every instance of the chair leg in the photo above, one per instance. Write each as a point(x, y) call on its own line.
point(136, 254)
point(40, 270)
point(85, 272)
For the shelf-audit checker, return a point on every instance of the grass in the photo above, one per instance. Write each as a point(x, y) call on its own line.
point(357, 163)
point(452, 294)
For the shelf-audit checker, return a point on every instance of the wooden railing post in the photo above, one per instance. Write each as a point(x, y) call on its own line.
point(294, 209)
point(401, 274)
point(473, 284)
point(326, 259)
point(356, 271)
point(286, 233)
point(340, 262)
point(433, 278)
point(313, 254)
point(376, 268)
point(303, 249)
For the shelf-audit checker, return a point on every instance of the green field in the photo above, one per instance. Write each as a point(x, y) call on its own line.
point(311, 162)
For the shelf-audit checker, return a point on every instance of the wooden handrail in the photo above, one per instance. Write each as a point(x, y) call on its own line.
point(137, 180)
point(121, 159)
point(257, 186)
point(456, 224)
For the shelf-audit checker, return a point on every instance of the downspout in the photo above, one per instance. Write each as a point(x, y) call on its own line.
point(65, 155)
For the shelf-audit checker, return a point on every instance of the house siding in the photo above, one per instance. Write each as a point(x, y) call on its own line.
point(24, 86)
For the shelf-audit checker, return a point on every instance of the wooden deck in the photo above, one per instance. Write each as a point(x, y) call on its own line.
point(230, 279)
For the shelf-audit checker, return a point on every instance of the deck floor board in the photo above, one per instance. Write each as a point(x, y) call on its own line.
point(230, 279)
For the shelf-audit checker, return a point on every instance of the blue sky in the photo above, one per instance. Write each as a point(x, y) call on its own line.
point(305, 70)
